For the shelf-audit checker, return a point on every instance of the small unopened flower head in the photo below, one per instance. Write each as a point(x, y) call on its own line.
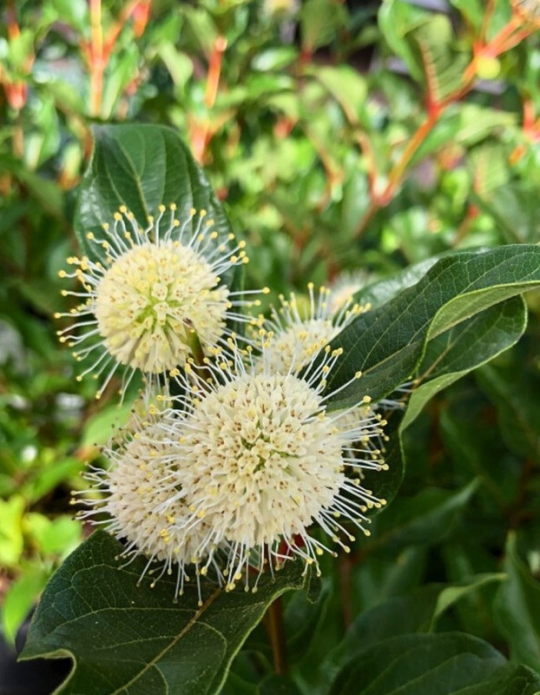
point(156, 295)
point(299, 330)
point(134, 503)
point(261, 461)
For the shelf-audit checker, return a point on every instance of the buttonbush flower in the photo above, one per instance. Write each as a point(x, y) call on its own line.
point(260, 461)
point(155, 296)
point(344, 287)
point(134, 501)
point(298, 331)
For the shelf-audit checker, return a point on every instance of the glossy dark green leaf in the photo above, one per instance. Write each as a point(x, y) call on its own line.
point(381, 291)
point(517, 608)
point(475, 451)
point(129, 639)
point(278, 685)
point(424, 519)
point(387, 343)
point(465, 347)
point(401, 615)
point(236, 686)
point(446, 664)
point(514, 389)
point(142, 167)
point(385, 484)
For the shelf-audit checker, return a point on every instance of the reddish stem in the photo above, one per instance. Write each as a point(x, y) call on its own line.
point(96, 58)
point(274, 628)
point(506, 38)
point(201, 133)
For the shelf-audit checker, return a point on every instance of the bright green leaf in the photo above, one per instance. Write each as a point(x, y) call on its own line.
point(11, 536)
point(19, 599)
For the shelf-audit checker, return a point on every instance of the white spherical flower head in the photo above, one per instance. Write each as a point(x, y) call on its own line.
point(261, 461)
point(265, 454)
point(299, 330)
point(155, 297)
point(150, 302)
point(343, 289)
point(137, 503)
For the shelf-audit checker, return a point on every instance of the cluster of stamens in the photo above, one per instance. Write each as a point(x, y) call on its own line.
point(245, 466)
point(152, 295)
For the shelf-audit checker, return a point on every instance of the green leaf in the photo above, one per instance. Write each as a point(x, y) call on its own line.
point(451, 594)
point(385, 484)
point(11, 534)
point(381, 291)
point(514, 389)
point(47, 478)
point(53, 536)
point(347, 87)
point(302, 616)
point(99, 428)
point(475, 451)
point(129, 639)
point(445, 664)
point(517, 608)
point(489, 170)
point(464, 347)
point(278, 685)
point(514, 209)
point(74, 12)
point(466, 125)
point(473, 10)
point(443, 68)
point(387, 343)
point(236, 686)
point(19, 598)
point(320, 21)
point(142, 167)
point(396, 20)
point(424, 519)
point(400, 615)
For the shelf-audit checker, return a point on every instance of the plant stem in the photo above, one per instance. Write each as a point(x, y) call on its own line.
point(274, 628)
point(345, 568)
point(201, 132)
point(507, 37)
point(96, 58)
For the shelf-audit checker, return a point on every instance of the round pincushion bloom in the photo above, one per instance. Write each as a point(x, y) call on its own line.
point(260, 461)
point(135, 498)
point(157, 294)
point(343, 289)
point(298, 331)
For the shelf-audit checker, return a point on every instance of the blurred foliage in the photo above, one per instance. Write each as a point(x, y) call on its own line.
point(340, 137)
